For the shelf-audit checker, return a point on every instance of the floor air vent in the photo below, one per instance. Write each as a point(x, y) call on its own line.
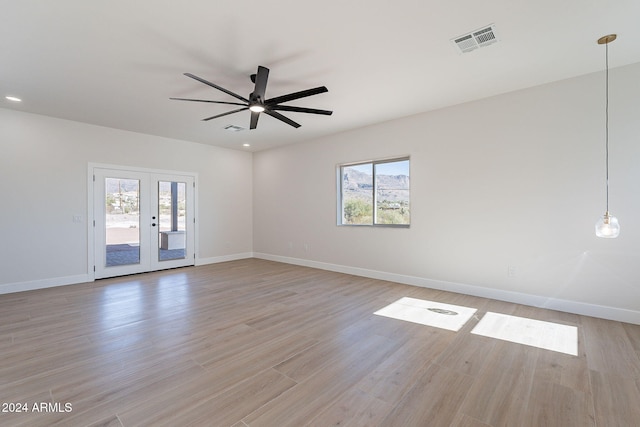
point(443, 311)
point(479, 38)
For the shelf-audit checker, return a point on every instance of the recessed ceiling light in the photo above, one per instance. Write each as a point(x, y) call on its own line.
point(13, 98)
point(246, 144)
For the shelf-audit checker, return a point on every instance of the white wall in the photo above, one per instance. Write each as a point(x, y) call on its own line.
point(43, 184)
point(516, 180)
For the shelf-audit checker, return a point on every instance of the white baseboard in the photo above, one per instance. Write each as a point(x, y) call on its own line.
point(31, 285)
point(9, 288)
point(224, 258)
point(575, 307)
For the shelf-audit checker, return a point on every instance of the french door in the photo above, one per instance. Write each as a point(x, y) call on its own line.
point(143, 221)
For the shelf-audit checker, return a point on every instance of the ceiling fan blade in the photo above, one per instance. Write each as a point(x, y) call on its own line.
point(296, 95)
point(254, 120)
point(261, 83)
point(279, 116)
point(225, 114)
point(301, 110)
point(228, 92)
point(205, 100)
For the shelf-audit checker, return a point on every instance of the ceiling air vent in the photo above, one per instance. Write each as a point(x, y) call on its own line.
point(233, 128)
point(479, 38)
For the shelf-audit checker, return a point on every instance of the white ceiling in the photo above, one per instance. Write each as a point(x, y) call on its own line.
point(116, 63)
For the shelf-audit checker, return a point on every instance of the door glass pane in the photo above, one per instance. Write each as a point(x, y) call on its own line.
point(122, 221)
point(172, 220)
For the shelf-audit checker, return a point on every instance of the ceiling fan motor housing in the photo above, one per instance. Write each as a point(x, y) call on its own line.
point(256, 102)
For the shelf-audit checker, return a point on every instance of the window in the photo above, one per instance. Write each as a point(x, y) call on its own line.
point(375, 193)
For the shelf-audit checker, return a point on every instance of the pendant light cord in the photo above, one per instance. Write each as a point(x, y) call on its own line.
point(607, 122)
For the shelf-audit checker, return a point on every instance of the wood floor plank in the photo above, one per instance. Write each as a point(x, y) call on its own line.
point(24, 415)
point(154, 386)
point(564, 369)
point(304, 401)
point(609, 348)
point(616, 399)
point(500, 394)
point(53, 377)
point(113, 421)
point(194, 404)
point(467, 354)
point(433, 401)
point(353, 408)
point(463, 420)
point(330, 352)
point(396, 375)
point(260, 343)
point(232, 404)
point(82, 383)
point(633, 333)
point(555, 404)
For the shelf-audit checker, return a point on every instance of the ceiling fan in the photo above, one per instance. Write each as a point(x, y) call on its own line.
point(258, 104)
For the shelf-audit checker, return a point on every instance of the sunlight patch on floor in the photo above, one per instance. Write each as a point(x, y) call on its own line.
point(430, 313)
point(536, 333)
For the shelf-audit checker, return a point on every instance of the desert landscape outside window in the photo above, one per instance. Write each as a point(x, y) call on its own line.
point(375, 193)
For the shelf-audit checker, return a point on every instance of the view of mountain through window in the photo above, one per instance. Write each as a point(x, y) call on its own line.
point(383, 185)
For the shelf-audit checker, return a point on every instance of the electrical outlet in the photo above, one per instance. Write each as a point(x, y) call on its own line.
point(77, 218)
point(512, 271)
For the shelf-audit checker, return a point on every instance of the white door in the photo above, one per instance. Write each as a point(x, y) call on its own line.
point(143, 221)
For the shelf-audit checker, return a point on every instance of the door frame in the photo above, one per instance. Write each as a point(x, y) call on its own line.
point(91, 203)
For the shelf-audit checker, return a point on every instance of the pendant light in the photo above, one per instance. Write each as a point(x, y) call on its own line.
point(607, 226)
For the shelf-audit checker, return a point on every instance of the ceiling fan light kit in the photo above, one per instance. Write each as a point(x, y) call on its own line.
point(607, 226)
point(257, 103)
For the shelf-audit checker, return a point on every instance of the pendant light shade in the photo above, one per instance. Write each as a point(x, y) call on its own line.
point(607, 226)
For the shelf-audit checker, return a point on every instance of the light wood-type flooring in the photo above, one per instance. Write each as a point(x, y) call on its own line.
point(259, 343)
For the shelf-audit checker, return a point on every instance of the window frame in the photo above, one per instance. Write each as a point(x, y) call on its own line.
point(374, 189)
